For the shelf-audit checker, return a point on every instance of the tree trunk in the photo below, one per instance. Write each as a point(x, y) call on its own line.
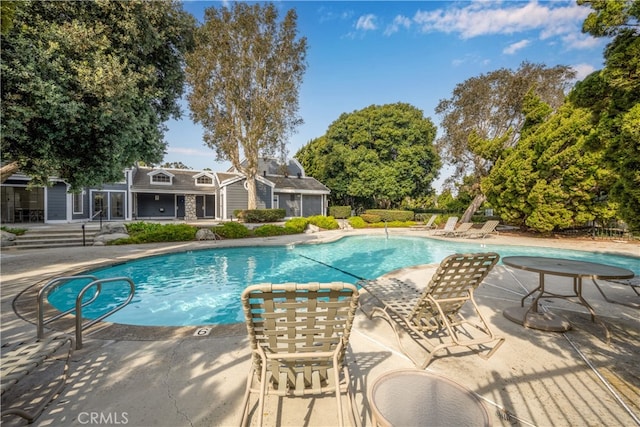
point(473, 207)
point(7, 170)
point(251, 196)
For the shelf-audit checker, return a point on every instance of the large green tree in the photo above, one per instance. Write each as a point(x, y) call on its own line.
point(375, 157)
point(551, 179)
point(245, 74)
point(484, 116)
point(613, 94)
point(87, 86)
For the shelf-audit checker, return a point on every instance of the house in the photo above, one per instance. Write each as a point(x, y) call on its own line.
point(157, 193)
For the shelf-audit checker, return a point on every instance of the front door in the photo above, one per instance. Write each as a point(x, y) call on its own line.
point(110, 205)
point(180, 209)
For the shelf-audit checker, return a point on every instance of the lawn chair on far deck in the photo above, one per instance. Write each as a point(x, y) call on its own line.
point(462, 229)
point(299, 335)
point(449, 227)
point(426, 226)
point(488, 227)
point(433, 314)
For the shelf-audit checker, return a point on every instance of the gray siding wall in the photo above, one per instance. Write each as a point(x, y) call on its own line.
point(263, 196)
point(57, 202)
point(312, 205)
point(236, 197)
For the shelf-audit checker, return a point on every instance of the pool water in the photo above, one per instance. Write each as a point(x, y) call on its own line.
point(203, 287)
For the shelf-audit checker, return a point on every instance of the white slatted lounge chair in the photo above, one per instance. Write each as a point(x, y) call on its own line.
point(488, 227)
point(433, 313)
point(449, 226)
point(462, 229)
point(426, 226)
point(299, 335)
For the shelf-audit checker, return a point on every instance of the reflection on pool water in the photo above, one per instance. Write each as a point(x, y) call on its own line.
point(203, 287)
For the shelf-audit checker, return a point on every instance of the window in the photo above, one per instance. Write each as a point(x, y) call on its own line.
point(204, 180)
point(78, 199)
point(160, 178)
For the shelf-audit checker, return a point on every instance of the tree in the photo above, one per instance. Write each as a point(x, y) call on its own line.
point(484, 116)
point(174, 165)
point(551, 179)
point(244, 75)
point(613, 94)
point(375, 157)
point(87, 86)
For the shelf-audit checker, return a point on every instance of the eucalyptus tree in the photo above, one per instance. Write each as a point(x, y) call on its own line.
point(484, 116)
point(87, 86)
point(613, 94)
point(375, 157)
point(244, 74)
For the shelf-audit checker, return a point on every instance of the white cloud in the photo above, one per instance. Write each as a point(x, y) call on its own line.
point(581, 41)
point(583, 70)
point(398, 21)
point(366, 22)
point(490, 18)
point(514, 47)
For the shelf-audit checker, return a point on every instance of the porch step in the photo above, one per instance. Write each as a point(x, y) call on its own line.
point(41, 237)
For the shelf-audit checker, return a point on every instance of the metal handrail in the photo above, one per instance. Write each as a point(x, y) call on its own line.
point(95, 283)
point(79, 305)
point(46, 289)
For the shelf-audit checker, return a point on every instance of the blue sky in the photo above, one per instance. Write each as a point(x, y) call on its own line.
point(362, 53)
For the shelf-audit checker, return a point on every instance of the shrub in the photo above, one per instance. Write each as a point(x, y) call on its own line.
point(296, 225)
point(148, 232)
point(424, 217)
point(370, 218)
point(392, 224)
point(16, 231)
point(231, 230)
point(326, 222)
point(340, 211)
point(271, 230)
point(357, 222)
point(391, 215)
point(262, 215)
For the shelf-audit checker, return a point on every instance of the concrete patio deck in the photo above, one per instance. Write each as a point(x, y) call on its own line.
point(168, 377)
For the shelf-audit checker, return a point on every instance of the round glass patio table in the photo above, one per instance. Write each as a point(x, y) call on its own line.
point(531, 317)
point(409, 397)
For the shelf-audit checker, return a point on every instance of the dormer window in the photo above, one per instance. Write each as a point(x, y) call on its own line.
point(161, 178)
point(203, 179)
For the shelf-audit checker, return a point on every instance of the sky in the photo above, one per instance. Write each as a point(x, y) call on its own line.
point(363, 53)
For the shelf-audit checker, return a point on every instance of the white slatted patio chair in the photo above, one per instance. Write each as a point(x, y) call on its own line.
point(299, 334)
point(433, 314)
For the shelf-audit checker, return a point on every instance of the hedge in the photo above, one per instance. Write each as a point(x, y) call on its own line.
point(340, 211)
point(391, 215)
point(261, 215)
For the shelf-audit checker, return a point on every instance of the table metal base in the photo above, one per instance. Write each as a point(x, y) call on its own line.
point(537, 320)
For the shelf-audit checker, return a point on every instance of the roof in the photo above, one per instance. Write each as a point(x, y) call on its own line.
point(298, 185)
point(183, 181)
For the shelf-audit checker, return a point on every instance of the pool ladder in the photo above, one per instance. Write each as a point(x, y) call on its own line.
point(94, 283)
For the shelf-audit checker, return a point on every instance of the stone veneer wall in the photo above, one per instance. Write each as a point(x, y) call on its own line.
point(190, 207)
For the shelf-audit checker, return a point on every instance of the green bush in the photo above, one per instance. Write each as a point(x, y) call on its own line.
point(340, 211)
point(268, 230)
point(148, 232)
point(296, 225)
point(424, 217)
point(370, 218)
point(392, 224)
point(262, 215)
point(391, 215)
point(231, 230)
point(357, 222)
point(16, 231)
point(326, 222)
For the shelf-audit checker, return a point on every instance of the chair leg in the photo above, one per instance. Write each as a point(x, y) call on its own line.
point(245, 404)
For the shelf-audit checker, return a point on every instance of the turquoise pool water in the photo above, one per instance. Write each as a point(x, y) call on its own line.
point(203, 287)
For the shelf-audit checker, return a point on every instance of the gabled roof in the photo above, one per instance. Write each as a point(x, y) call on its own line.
point(184, 180)
point(306, 185)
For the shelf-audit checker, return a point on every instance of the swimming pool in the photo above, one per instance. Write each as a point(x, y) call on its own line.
point(203, 287)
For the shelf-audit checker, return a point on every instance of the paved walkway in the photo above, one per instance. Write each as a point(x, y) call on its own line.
point(172, 378)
